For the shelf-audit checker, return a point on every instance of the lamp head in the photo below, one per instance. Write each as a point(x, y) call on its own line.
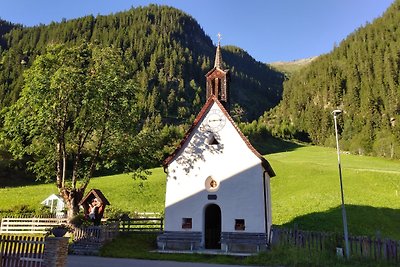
point(336, 111)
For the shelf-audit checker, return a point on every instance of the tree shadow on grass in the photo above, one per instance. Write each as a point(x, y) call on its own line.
point(362, 221)
point(269, 145)
point(16, 178)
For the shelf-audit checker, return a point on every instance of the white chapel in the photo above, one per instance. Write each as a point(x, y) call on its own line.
point(218, 186)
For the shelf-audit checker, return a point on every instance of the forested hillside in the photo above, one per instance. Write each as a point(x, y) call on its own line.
point(5, 27)
point(168, 54)
point(165, 55)
point(361, 76)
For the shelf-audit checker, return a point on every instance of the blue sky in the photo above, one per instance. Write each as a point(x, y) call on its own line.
point(269, 30)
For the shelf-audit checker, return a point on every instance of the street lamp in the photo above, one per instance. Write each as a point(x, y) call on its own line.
point(346, 236)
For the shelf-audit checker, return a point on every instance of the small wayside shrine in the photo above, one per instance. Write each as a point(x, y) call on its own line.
point(218, 186)
point(93, 205)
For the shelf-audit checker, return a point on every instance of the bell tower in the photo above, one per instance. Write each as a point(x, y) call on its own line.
point(217, 79)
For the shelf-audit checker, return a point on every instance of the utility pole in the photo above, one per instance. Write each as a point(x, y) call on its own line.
point(346, 235)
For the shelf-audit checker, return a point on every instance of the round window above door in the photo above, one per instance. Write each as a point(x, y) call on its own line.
point(211, 184)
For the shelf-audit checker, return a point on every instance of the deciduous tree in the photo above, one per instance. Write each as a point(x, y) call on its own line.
point(75, 101)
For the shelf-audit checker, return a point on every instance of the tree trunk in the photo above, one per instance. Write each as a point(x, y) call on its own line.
point(72, 197)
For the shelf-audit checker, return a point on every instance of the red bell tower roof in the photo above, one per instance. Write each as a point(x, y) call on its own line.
point(217, 79)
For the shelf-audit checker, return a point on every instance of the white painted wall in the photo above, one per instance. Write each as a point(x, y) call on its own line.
point(238, 170)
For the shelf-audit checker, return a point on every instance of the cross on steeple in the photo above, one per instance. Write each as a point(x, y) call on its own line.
point(218, 57)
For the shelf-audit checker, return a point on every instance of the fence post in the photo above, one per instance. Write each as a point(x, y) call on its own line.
point(55, 252)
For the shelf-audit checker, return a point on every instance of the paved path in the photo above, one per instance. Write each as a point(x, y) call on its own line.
point(91, 261)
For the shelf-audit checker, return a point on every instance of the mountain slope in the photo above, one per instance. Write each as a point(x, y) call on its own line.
point(292, 66)
point(360, 76)
point(168, 54)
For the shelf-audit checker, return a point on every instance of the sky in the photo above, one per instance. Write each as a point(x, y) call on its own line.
point(269, 30)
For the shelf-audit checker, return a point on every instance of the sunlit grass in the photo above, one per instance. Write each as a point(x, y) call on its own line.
point(307, 183)
point(122, 191)
point(306, 192)
point(131, 195)
point(31, 195)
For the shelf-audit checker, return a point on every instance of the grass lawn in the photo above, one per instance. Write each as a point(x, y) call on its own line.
point(131, 195)
point(306, 192)
point(143, 246)
point(121, 190)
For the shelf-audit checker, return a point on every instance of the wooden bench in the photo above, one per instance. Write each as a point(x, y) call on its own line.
point(250, 239)
point(189, 238)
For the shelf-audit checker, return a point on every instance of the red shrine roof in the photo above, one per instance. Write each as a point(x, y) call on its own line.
point(211, 100)
point(95, 193)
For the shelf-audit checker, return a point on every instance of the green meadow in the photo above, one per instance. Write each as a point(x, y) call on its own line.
point(305, 192)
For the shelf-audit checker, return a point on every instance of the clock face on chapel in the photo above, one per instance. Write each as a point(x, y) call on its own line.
point(215, 120)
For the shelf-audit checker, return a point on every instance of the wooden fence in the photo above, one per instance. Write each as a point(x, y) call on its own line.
point(365, 247)
point(375, 248)
point(96, 234)
point(140, 214)
point(141, 225)
point(29, 225)
point(42, 225)
point(21, 251)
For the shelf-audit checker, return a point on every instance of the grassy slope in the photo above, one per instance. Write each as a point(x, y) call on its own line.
point(134, 195)
point(306, 191)
point(291, 66)
point(121, 190)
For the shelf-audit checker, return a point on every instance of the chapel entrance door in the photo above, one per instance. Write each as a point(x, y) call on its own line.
point(212, 227)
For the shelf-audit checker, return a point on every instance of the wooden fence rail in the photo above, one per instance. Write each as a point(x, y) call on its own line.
point(21, 251)
point(29, 225)
point(375, 248)
point(366, 247)
point(141, 225)
point(42, 225)
point(96, 234)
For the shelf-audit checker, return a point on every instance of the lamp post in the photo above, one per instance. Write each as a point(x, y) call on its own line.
point(346, 236)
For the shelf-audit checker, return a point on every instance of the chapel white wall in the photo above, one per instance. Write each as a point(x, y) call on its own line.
point(233, 165)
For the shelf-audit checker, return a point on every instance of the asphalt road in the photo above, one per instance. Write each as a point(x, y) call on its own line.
point(91, 261)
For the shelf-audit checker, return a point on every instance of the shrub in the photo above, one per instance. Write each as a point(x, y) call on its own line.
point(113, 213)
